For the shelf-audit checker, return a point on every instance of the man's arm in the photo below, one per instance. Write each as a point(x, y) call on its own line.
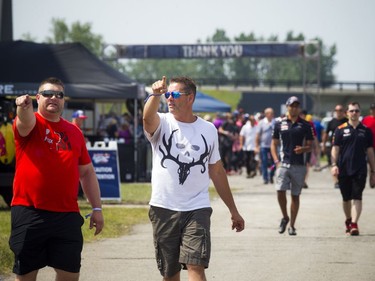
point(90, 187)
point(303, 149)
point(26, 119)
point(151, 119)
point(257, 141)
point(220, 180)
point(274, 144)
point(334, 158)
point(371, 161)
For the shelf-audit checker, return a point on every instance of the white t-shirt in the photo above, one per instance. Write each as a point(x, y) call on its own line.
point(181, 154)
point(249, 133)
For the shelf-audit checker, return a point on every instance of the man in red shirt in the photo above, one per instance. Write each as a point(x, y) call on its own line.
point(51, 158)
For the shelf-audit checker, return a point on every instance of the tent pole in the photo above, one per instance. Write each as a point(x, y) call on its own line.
point(135, 114)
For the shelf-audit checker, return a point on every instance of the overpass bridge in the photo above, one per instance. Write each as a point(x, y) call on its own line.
point(317, 101)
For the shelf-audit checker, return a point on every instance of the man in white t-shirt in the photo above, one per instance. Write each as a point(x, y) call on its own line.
point(247, 144)
point(185, 157)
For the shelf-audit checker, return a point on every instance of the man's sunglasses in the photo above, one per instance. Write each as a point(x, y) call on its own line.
point(51, 93)
point(354, 111)
point(174, 94)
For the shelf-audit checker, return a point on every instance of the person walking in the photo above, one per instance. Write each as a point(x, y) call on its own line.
point(338, 119)
point(228, 134)
point(247, 145)
point(352, 148)
point(294, 135)
point(51, 158)
point(263, 145)
point(185, 157)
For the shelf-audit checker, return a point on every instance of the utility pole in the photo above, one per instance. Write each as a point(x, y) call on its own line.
point(6, 21)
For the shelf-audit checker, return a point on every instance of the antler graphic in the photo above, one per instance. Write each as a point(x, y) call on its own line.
point(184, 168)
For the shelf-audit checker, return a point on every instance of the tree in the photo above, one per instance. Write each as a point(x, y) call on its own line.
point(247, 68)
point(214, 69)
point(78, 32)
point(292, 70)
point(237, 70)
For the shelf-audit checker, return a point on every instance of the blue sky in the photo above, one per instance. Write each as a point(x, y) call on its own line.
point(350, 24)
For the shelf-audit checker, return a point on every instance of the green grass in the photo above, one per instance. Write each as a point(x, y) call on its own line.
point(230, 97)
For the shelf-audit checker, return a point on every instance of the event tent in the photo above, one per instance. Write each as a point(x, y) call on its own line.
point(23, 65)
point(206, 103)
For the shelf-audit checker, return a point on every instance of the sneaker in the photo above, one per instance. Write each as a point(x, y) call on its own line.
point(354, 229)
point(271, 180)
point(292, 231)
point(283, 224)
point(347, 225)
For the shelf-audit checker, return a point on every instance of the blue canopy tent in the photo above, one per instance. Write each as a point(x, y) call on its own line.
point(205, 103)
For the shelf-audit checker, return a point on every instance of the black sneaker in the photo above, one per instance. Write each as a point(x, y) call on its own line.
point(292, 231)
point(283, 224)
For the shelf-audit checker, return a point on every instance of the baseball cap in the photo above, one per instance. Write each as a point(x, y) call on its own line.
point(372, 106)
point(79, 114)
point(292, 100)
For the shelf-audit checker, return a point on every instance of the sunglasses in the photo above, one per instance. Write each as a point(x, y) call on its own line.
point(174, 94)
point(354, 111)
point(51, 93)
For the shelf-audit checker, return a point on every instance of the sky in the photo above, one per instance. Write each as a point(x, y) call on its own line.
point(349, 24)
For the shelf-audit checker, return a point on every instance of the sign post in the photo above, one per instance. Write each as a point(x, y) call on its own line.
point(106, 165)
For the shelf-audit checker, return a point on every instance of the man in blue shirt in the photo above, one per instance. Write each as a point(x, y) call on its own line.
point(294, 136)
point(263, 144)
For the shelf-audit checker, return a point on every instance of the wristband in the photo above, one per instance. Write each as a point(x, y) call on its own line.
point(333, 165)
point(96, 209)
point(152, 95)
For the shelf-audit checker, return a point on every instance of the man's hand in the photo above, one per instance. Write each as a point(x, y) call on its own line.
point(160, 86)
point(335, 171)
point(372, 179)
point(238, 222)
point(97, 221)
point(24, 102)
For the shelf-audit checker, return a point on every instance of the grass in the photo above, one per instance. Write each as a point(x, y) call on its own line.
point(229, 97)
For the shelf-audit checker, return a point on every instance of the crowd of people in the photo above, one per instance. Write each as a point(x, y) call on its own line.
point(295, 142)
point(245, 140)
point(187, 153)
point(121, 128)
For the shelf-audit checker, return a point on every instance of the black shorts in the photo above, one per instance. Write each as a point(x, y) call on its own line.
point(41, 238)
point(352, 187)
